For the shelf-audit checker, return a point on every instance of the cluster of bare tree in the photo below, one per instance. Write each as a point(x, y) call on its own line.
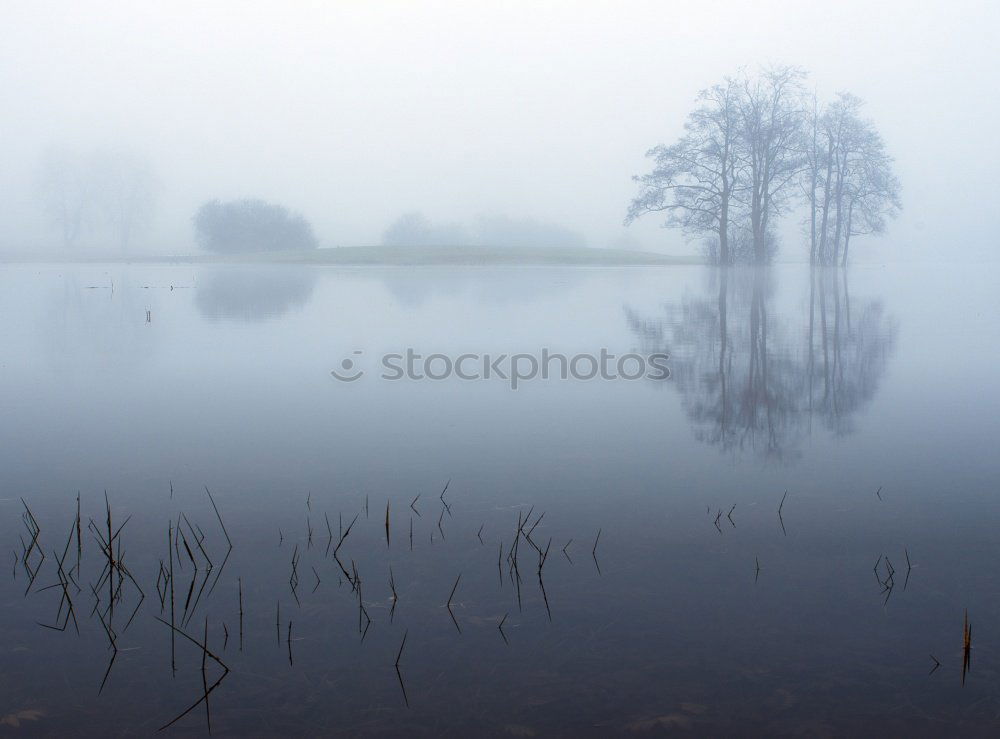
point(109, 193)
point(755, 147)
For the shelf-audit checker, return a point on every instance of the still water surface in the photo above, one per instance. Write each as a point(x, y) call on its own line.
point(870, 397)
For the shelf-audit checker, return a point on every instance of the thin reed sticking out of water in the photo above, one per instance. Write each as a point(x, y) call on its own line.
point(966, 646)
point(450, 597)
point(219, 516)
point(395, 597)
point(240, 581)
point(399, 654)
point(593, 552)
point(204, 678)
point(79, 536)
point(170, 551)
point(207, 689)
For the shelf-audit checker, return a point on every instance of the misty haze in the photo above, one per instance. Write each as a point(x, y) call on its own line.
point(481, 369)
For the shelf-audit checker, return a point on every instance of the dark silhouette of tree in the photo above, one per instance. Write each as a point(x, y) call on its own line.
point(251, 226)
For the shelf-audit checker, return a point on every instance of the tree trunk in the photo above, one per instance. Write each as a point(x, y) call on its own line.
point(826, 203)
point(812, 217)
point(847, 233)
point(724, 232)
point(841, 166)
point(813, 177)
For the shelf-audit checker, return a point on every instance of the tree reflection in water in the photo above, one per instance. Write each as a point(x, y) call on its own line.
point(752, 377)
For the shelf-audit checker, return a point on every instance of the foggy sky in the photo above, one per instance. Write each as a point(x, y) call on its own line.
point(354, 112)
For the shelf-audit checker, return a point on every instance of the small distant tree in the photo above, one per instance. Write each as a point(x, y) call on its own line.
point(251, 226)
point(501, 230)
point(414, 229)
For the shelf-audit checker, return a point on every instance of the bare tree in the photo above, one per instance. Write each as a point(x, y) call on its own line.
point(853, 173)
point(814, 163)
point(751, 150)
point(871, 189)
point(66, 194)
point(770, 145)
point(125, 188)
point(111, 189)
point(694, 180)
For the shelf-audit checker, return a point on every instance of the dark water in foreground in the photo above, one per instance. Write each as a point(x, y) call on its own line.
point(872, 398)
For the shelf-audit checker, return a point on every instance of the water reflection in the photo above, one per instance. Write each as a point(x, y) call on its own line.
point(752, 376)
point(90, 322)
point(414, 288)
point(253, 293)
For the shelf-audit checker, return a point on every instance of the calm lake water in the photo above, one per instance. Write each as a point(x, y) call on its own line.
point(871, 397)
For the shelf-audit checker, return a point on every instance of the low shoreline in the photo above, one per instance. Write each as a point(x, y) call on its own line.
point(389, 256)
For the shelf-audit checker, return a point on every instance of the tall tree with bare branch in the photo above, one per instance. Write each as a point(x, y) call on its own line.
point(770, 146)
point(694, 180)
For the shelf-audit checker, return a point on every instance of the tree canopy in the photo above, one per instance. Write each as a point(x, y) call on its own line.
point(251, 226)
point(757, 146)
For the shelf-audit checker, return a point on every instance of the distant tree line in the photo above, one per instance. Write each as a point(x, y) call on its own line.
point(414, 229)
point(110, 193)
point(755, 147)
point(251, 226)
